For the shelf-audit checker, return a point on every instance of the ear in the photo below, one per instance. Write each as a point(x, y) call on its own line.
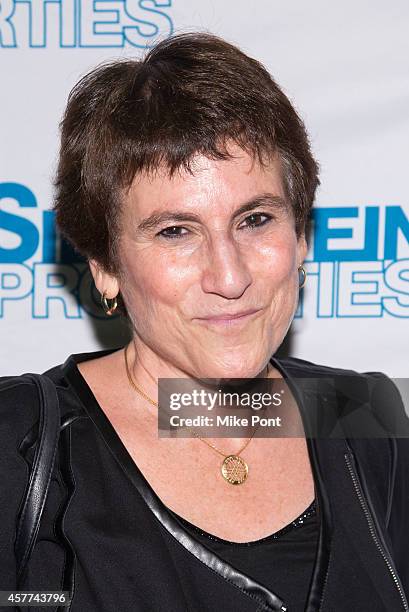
point(302, 249)
point(104, 281)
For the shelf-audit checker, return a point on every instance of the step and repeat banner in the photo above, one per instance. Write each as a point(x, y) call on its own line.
point(345, 66)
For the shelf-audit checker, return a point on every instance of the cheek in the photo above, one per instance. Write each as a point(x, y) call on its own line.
point(279, 262)
point(155, 281)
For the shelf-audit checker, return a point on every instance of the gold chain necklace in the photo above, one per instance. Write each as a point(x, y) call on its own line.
point(233, 468)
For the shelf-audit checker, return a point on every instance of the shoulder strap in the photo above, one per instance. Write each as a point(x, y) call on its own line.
point(40, 475)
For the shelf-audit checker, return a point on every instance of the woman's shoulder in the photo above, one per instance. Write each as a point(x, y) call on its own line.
point(362, 397)
point(21, 396)
point(375, 386)
point(22, 388)
point(17, 394)
point(301, 366)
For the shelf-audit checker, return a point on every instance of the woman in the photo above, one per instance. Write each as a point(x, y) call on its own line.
point(186, 180)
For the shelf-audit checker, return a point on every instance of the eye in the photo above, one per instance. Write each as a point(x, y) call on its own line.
point(173, 232)
point(172, 235)
point(252, 225)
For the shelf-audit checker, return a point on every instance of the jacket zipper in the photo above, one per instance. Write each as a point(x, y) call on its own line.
point(372, 530)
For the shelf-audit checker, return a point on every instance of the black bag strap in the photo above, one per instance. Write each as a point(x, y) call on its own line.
point(40, 475)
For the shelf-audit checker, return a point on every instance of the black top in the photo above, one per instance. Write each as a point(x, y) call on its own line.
point(283, 561)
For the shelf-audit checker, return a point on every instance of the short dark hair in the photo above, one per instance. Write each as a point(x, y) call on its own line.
point(191, 94)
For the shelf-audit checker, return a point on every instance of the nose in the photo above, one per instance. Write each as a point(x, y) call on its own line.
point(225, 268)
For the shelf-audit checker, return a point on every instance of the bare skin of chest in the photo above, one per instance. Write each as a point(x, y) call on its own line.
point(187, 478)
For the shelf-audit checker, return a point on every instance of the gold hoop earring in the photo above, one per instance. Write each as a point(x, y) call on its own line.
point(303, 270)
point(109, 309)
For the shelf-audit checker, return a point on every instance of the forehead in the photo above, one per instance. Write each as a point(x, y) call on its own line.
point(210, 186)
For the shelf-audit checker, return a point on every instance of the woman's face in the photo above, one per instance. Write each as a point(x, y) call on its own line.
point(187, 253)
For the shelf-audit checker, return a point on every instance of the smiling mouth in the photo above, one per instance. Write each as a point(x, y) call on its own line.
point(229, 321)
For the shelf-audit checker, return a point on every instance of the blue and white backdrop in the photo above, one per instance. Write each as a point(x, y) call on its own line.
point(345, 66)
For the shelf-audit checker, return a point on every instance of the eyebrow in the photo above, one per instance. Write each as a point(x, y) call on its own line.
point(276, 203)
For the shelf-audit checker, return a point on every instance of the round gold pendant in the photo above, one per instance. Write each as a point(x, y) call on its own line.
point(234, 469)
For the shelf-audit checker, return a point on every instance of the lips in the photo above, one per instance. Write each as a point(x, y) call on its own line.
point(230, 317)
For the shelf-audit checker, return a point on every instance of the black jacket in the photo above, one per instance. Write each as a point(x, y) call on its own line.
point(361, 479)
